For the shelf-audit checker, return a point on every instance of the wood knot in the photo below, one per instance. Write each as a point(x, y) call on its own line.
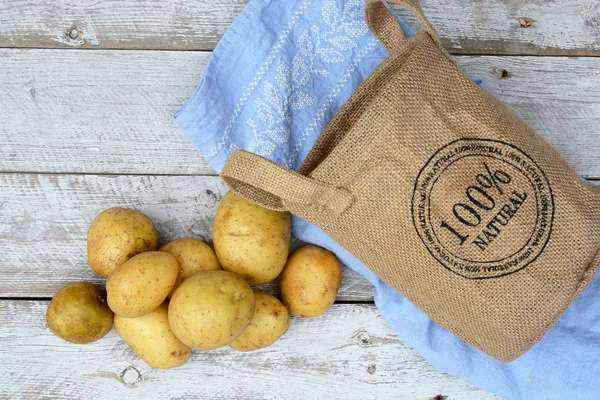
point(130, 376)
point(363, 339)
point(214, 198)
point(73, 33)
point(526, 22)
point(591, 16)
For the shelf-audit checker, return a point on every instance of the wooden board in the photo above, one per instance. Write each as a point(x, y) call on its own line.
point(468, 26)
point(44, 221)
point(70, 111)
point(97, 111)
point(350, 350)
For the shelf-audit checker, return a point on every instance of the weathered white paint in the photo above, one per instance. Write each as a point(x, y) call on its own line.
point(111, 111)
point(44, 220)
point(131, 24)
point(561, 27)
point(468, 26)
point(350, 353)
point(97, 111)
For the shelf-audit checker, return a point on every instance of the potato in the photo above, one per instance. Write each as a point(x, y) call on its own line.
point(116, 235)
point(151, 338)
point(78, 313)
point(250, 240)
point(211, 309)
point(141, 284)
point(193, 256)
point(310, 281)
point(270, 321)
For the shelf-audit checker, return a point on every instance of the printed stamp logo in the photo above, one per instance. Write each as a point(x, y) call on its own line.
point(483, 208)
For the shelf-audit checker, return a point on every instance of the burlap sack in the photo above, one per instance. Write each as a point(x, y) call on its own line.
point(445, 194)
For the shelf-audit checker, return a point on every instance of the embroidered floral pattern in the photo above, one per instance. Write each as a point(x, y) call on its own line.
point(255, 81)
point(290, 90)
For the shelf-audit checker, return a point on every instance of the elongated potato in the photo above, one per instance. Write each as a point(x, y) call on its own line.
point(141, 284)
point(151, 338)
point(193, 256)
point(250, 240)
point(210, 309)
point(116, 235)
point(310, 281)
point(270, 321)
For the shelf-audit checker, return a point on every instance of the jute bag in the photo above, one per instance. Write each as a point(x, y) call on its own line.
point(445, 194)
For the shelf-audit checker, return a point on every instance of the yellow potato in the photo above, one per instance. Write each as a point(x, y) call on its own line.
point(270, 321)
point(151, 338)
point(310, 281)
point(193, 256)
point(141, 284)
point(250, 240)
point(78, 313)
point(116, 235)
point(210, 309)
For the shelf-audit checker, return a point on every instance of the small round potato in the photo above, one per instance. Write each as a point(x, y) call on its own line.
point(151, 338)
point(78, 313)
point(211, 309)
point(250, 240)
point(141, 284)
point(193, 256)
point(116, 235)
point(310, 281)
point(270, 321)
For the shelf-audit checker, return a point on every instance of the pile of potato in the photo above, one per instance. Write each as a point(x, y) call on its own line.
point(187, 296)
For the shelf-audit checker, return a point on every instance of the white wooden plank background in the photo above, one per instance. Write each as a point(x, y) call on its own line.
point(562, 27)
point(63, 116)
point(68, 111)
point(348, 353)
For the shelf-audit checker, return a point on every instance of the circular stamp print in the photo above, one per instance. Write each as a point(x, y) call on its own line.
point(483, 208)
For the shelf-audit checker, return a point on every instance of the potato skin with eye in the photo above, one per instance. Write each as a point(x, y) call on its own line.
point(193, 256)
point(116, 235)
point(310, 281)
point(250, 240)
point(151, 338)
point(78, 313)
point(141, 284)
point(211, 309)
point(270, 321)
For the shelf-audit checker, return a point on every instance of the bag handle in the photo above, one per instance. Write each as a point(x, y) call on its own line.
point(385, 26)
point(273, 186)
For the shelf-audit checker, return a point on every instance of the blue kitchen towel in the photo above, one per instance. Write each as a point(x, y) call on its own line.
point(275, 80)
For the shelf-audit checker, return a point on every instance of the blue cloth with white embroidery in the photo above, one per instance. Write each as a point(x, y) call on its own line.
point(276, 78)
